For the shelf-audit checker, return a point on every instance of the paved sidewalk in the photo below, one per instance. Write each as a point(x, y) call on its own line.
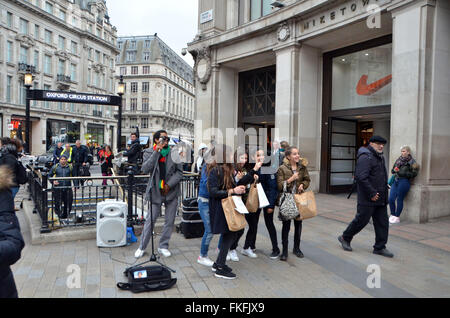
point(326, 271)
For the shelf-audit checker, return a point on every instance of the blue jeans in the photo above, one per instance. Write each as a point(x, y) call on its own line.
point(203, 208)
point(398, 192)
point(14, 191)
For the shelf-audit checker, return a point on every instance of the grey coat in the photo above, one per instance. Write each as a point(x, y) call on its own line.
point(174, 175)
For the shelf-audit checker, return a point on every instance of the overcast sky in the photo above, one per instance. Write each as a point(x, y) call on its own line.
point(175, 21)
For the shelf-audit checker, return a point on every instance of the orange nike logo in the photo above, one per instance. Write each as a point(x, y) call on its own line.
point(363, 89)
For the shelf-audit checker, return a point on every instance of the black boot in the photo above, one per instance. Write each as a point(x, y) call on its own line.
point(297, 252)
point(284, 255)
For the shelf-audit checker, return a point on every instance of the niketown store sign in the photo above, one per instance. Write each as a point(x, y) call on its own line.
point(341, 13)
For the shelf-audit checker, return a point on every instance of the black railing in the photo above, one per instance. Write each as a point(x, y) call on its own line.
point(75, 203)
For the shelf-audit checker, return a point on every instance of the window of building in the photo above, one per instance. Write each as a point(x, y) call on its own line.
point(146, 69)
point(133, 122)
point(133, 45)
point(123, 71)
point(134, 87)
point(23, 58)
point(133, 104)
point(47, 64)
point(48, 37)
point(61, 67)
point(89, 76)
point(36, 32)
point(131, 56)
point(8, 88)
point(144, 122)
point(9, 51)
point(147, 44)
point(97, 56)
point(146, 56)
point(61, 43)
point(145, 104)
point(260, 8)
point(36, 60)
point(134, 70)
point(73, 72)
point(145, 87)
point(9, 19)
point(74, 22)
point(119, 44)
point(62, 15)
point(74, 47)
point(49, 7)
point(99, 33)
point(23, 24)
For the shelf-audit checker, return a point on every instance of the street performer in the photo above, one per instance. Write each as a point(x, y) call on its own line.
point(166, 189)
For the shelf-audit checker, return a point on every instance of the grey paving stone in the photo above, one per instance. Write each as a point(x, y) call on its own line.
point(75, 293)
point(107, 292)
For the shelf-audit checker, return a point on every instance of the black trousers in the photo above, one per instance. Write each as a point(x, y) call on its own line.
point(285, 234)
point(227, 240)
point(63, 197)
point(238, 236)
point(380, 224)
point(268, 219)
point(76, 172)
point(252, 220)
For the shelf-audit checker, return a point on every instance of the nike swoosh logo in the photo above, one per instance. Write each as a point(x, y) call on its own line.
point(364, 89)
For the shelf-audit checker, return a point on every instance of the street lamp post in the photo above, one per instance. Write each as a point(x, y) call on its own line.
point(120, 92)
point(28, 81)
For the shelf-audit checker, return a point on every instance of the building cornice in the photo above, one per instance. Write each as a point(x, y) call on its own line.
point(128, 78)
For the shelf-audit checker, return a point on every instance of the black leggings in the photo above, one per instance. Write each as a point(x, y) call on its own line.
point(227, 240)
point(268, 219)
point(285, 234)
point(252, 220)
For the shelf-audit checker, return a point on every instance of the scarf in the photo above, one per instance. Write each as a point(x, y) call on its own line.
point(402, 161)
point(162, 165)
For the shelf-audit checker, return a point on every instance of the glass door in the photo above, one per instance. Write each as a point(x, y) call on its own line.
point(342, 155)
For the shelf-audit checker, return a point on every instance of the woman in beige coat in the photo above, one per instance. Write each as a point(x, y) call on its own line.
point(294, 173)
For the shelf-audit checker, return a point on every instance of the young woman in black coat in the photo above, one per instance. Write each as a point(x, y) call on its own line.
point(11, 240)
point(221, 184)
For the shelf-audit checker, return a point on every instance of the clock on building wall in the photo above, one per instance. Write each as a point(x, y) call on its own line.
point(283, 32)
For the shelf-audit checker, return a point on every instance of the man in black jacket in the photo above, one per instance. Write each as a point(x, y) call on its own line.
point(57, 153)
point(11, 240)
point(79, 160)
point(371, 180)
point(134, 151)
point(62, 189)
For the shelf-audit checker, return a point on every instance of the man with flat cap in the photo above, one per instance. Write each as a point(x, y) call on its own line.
point(371, 180)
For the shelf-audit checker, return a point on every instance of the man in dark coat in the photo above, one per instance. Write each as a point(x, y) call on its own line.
point(79, 160)
point(371, 180)
point(11, 240)
point(57, 153)
point(134, 151)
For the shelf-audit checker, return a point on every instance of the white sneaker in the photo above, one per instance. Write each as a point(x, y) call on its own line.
point(139, 253)
point(391, 219)
point(396, 219)
point(165, 252)
point(249, 252)
point(233, 256)
point(205, 261)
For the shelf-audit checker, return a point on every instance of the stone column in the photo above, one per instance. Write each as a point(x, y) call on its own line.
point(420, 110)
point(287, 92)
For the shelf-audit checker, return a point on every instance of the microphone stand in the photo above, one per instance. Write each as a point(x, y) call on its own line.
point(153, 257)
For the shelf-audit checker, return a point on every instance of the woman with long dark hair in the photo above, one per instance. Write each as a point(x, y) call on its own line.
point(106, 157)
point(221, 184)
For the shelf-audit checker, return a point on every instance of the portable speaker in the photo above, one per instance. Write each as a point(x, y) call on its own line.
point(111, 223)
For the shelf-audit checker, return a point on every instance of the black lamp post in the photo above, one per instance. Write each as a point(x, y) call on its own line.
point(28, 81)
point(120, 92)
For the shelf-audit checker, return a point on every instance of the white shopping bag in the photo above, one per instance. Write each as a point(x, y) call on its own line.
point(240, 206)
point(263, 202)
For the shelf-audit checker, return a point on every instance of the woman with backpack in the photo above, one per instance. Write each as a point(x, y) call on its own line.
point(293, 177)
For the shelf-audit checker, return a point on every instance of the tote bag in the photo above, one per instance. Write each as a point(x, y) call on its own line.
point(306, 205)
point(252, 203)
point(288, 208)
point(235, 220)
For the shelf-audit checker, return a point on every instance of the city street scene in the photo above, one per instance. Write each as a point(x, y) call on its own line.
point(233, 150)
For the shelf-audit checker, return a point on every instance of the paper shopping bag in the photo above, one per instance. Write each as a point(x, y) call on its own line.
point(235, 220)
point(252, 203)
point(262, 198)
point(306, 205)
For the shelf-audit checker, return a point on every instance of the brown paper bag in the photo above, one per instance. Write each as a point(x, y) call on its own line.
point(236, 221)
point(252, 203)
point(306, 205)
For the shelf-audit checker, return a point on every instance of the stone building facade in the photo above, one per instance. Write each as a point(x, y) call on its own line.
point(327, 75)
point(70, 45)
point(159, 88)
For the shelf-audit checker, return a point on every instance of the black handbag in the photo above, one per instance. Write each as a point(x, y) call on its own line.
point(149, 278)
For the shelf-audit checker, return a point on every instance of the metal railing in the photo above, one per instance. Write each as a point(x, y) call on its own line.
point(70, 202)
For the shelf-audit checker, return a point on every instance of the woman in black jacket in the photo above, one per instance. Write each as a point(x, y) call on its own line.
point(9, 156)
point(11, 240)
point(221, 184)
